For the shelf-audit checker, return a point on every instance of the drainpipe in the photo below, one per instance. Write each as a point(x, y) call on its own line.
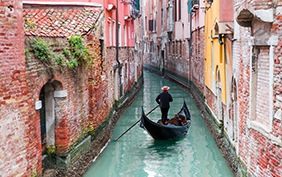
point(190, 50)
point(119, 67)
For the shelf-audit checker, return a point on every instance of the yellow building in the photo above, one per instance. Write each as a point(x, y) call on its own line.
point(218, 54)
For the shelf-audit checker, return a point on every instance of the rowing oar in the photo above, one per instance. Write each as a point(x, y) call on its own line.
point(136, 123)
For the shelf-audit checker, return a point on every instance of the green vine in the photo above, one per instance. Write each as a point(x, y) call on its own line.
point(42, 51)
point(70, 57)
point(27, 54)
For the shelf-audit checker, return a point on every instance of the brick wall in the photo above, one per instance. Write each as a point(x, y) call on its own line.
point(243, 100)
point(259, 151)
point(197, 62)
point(19, 153)
point(127, 58)
point(211, 100)
point(71, 111)
point(89, 93)
point(177, 57)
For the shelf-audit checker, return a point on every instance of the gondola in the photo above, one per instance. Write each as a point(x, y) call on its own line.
point(160, 131)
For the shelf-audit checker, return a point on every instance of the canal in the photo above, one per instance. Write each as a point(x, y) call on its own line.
point(137, 154)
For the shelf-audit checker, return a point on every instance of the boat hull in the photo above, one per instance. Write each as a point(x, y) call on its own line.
point(164, 132)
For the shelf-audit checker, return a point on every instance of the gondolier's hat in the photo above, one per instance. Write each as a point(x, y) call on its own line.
point(165, 88)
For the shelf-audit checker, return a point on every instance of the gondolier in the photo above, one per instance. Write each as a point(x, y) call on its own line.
point(165, 132)
point(163, 100)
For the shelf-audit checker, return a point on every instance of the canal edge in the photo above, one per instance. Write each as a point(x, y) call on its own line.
point(98, 141)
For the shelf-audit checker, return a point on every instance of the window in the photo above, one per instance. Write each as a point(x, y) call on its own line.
point(261, 89)
point(212, 69)
point(162, 17)
point(125, 36)
point(151, 25)
point(110, 32)
point(101, 54)
point(125, 74)
point(145, 25)
point(180, 48)
point(128, 32)
point(114, 33)
point(119, 35)
point(177, 10)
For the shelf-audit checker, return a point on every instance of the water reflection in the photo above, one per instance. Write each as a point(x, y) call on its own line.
point(161, 147)
point(138, 154)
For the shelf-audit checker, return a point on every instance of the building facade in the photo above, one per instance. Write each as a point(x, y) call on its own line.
point(257, 79)
point(233, 71)
point(58, 77)
point(18, 157)
point(166, 37)
point(218, 66)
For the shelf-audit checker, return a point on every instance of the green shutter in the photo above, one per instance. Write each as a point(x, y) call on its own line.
point(137, 5)
point(189, 6)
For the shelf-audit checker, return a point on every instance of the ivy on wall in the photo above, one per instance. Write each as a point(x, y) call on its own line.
point(70, 56)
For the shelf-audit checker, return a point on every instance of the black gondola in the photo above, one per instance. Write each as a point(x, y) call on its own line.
point(165, 132)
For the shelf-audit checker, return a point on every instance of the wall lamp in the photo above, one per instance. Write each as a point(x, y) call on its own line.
point(219, 38)
point(209, 2)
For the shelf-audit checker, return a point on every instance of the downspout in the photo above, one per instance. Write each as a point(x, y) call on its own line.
point(119, 67)
point(190, 50)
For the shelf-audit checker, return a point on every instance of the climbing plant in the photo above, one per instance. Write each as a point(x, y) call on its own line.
point(42, 51)
point(71, 56)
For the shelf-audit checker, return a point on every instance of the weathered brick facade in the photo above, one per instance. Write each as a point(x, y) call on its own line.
point(197, 60)
point(20, 154)
point(128, 61)
point(248, 115)
point(72, 103)
point(257, 52)
point(177, 57)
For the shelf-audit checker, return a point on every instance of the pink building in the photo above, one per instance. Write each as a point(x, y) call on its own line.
point(173, 38)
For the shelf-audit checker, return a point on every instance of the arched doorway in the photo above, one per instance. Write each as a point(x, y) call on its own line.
point(43, 121)
point(47, 116)
point(218, 96)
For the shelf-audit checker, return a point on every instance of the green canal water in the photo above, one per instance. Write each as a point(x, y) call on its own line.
point(137, 154)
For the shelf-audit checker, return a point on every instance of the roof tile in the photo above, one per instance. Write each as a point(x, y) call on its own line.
point(59, 22)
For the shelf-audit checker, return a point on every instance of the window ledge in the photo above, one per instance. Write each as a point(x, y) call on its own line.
point(264, 131)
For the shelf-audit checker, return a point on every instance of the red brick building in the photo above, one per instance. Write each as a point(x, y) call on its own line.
point(257, 56)
point(55, 99)
point(18, 155)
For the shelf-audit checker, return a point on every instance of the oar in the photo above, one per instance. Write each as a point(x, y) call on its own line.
point(136, 123)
